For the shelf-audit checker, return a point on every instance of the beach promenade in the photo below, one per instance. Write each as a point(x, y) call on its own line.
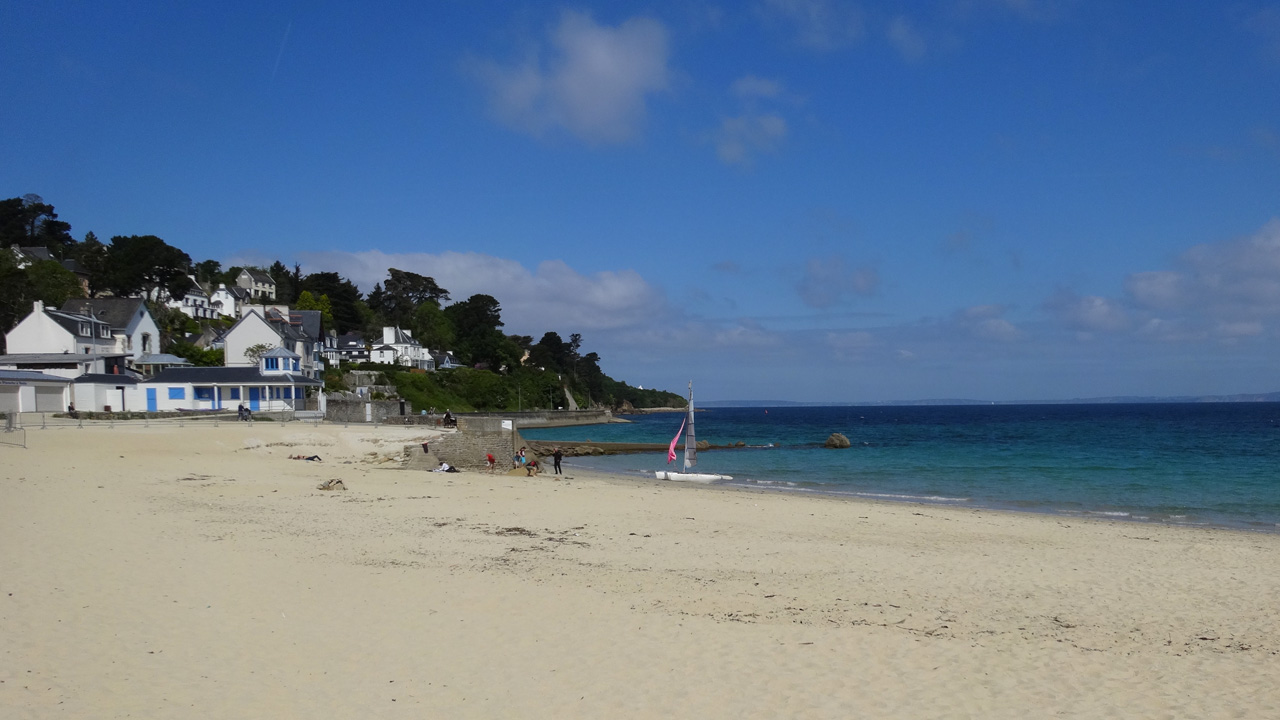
point(192, 572)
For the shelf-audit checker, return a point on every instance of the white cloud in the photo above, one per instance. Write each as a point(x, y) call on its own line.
point(1158, 290)
point(748, 87)
point(745, 335)
point(1089, 313)
point(908, 41)
point(740, 138)
point(820, 24)
point(594, 84)
point(828, 281)
point(552, 296)
point(986, 322)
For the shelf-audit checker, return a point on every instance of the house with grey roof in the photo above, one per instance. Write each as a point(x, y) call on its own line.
point(399, 348)
point(47, 330)
point(261, 285)
point(298, 331)
point(226, 300)
point(134, 330)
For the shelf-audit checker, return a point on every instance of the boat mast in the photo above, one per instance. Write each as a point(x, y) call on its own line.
point(690, 440)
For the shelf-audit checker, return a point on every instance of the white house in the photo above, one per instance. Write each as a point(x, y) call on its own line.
point(274, 384)
point(261, 286)
point(399, 348)
point(445, 360)
point(286, 330)
point(227, 300)
point(132, 327)
point(195, 303)
point(55, 331)
point(24, 391)
point(349, 347)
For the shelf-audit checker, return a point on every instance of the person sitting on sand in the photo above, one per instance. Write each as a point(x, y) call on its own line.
point(531, 468)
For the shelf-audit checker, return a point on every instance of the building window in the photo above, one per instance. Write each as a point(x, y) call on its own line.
point(235, 393)
point(84, 329)
point(288, 393)
point(146, 342)
point(203, 393)
point(271, 363)
point(177, 393)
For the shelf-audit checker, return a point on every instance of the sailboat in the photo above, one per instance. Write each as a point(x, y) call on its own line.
point(690, 453)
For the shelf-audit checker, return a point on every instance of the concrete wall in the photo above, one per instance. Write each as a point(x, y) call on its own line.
point(360, 411)
point(466, 448)
point(97, 397)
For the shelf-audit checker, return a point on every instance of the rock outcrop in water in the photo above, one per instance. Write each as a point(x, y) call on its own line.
point(836, 440)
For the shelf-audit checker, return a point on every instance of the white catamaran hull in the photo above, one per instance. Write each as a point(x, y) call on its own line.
point(690, 477)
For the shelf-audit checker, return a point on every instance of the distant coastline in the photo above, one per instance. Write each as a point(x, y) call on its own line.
point(1115, 400)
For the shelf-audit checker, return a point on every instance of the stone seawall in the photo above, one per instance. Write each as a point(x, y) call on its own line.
point(476, 436)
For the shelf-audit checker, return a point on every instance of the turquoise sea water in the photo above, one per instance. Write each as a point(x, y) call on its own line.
point(1195, 463)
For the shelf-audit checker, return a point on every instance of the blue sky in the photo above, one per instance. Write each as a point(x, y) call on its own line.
point(778, 199)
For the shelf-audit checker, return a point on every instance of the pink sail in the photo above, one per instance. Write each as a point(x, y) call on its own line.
point(671, 451)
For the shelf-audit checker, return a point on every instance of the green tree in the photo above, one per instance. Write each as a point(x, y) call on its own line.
point(52, 283)
point(92, 256)
point(343, 297)
point(402, 294)
point(307, 301)
point(208, 272)
point(475, 323)
point(31, 222)
point(432, 328)
point(288, 282)
point(146, 264)
point(198, 356)
point(254, 353)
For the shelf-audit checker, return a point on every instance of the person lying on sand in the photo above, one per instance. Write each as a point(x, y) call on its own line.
point(312, 458)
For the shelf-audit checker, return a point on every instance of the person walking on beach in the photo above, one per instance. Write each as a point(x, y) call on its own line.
point(556, 455)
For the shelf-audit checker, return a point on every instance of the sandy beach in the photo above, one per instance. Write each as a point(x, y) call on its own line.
point(197, 571)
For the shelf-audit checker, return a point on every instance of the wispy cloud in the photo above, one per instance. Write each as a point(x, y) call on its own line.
point(739, 139)
point(906, 39)
point(594, 82)
point(1228, 289)
point(829, 280)
point(822, 25)
point(551, 295)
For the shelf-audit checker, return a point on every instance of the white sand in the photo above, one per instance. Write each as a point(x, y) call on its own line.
point(191, 572)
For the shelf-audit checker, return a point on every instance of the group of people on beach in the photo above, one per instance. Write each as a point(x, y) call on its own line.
point(522, 460)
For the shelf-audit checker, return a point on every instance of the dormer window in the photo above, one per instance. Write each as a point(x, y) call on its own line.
point(270, 363)
point(104, 331)
point(84, 330)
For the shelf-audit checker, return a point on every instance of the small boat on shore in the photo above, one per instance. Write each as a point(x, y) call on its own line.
point(690, 453)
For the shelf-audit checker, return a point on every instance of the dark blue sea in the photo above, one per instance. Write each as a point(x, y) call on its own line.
point(1182, 463)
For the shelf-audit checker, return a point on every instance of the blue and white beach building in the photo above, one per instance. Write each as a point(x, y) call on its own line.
point(276, 383)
